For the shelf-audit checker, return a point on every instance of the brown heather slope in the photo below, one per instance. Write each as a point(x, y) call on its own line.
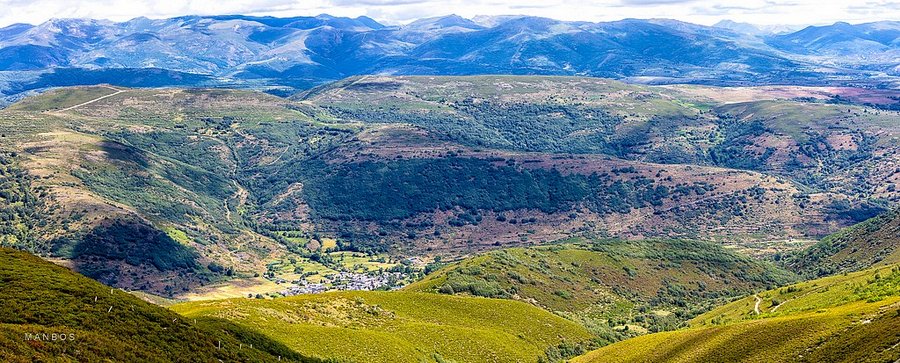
point(827, 139)
point(737, 206)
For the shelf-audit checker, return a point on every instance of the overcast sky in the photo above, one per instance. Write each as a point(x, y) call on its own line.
point(764, 12)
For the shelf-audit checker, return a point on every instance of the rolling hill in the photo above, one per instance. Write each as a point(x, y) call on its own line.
point(49, 313)
point(851, 316)
point(615, 288)
point(401, 326)
point(209, 185)
point(801, 134)
point(845, 318)
point(871, 243)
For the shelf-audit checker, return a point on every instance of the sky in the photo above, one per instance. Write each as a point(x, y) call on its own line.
point(393, 12)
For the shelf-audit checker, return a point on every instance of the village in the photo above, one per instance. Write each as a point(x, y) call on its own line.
point(348, 281)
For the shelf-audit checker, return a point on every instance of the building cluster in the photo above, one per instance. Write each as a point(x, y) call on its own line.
point(347, 281)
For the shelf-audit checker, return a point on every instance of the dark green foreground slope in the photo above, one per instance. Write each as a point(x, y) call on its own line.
point(40, 299)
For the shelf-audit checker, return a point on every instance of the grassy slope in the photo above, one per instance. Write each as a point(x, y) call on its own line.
point(870, 243)
point(62, 98)
point(647, 285)
point(399, 326)
point(107, 324)
point(848, 318)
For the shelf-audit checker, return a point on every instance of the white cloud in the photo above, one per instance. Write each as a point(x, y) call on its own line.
point(401, 11)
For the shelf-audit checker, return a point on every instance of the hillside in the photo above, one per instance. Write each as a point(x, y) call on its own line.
point(834, 160)
point(402, 326)
point(815, 136)
point(845, 318)
point(118, 213)
point(615, 288)
point(870, 243)
point(49, 313)
point(102, 323)
point(207, 186)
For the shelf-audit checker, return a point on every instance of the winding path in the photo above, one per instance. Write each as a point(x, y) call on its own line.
point(756, 307)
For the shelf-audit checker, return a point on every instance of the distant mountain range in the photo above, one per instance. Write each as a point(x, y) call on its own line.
point(299, 52)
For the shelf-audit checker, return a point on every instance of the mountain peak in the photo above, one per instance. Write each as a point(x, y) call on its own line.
point(371, 23)
point(443, 22)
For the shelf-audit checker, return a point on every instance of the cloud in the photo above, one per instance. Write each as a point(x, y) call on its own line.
point(873, 6)
point(763, 12)
point(654, 2)
point(375, 2)
point(726, 9)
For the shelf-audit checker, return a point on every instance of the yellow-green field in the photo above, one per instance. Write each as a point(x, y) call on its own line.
point(234, 288)
point(399, 326)
point(846, 318)
point(360, 262)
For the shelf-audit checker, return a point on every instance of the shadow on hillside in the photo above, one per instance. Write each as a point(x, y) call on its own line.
point(125, 153)
point(126, 252)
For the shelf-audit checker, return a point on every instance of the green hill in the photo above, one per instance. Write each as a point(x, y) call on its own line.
point(171, 190)
point(848, 317)
point(401, 326)
point(617, 288)
point(874, 242)
point(845, 318)
point(48, 313)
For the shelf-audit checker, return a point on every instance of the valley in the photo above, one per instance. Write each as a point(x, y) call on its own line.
point(841, 313)
point(522, 218)
point(300, 180)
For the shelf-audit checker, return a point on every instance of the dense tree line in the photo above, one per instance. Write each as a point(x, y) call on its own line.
point(21, 207)
point(384, 191)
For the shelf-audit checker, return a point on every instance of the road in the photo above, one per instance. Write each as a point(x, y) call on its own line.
point(117, 91)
